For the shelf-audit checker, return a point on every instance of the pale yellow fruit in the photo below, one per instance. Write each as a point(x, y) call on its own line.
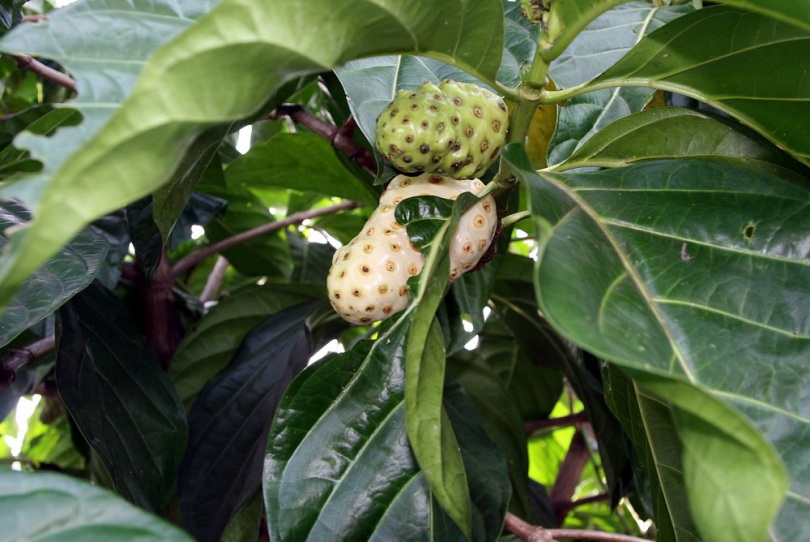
point(368, 278)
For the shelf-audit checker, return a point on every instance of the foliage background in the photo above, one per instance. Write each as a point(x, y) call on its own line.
point(662, 291)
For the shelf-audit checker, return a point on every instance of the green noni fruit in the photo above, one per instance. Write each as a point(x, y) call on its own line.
point(453, 129)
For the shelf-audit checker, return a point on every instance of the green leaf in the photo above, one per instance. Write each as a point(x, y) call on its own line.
point(648, 421)
point(267, 255)
point(245, 524)
point(672, 132)
point(70, 271)
point(742, 63)
point(484, 461)
point(210, 344)
point(691, 270)
point(712, 434)
point(256, 47)
point(301, 161)
point(566, 20)
point(14, 160)
point(430, 222)
point(338, 463)
point(371, 83)
point(789, 11)
point(429, 431)
point(119, 397)
point(229, 422)
point(500, 417)
point(312, 260)
point(170, 200)
point(599, 46)
point(49, 507)
point(520, 42)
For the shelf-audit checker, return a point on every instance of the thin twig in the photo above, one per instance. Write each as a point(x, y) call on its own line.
point(532, 533)
point(215, 280)
point(195, 258)
point(35, 66)
point(562, 421)
point(339, 137)
point(20, 357)
point(36, 18)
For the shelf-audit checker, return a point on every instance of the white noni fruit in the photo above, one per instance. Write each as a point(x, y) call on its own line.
point(368, 278)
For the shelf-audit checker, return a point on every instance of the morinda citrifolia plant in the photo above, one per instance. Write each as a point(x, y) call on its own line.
point(633, 360)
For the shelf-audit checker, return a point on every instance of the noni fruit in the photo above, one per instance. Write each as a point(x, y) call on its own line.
point(453, 129)
point(368, 278)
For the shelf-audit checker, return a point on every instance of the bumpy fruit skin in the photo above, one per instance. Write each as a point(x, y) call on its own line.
point(368, 278)
point(453, 129)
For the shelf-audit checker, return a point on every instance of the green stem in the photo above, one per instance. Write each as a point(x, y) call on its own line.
point(515, 218)
point(529, 94)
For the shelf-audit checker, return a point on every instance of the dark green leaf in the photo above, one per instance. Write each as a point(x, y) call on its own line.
point(565, 22)
point(200, 210)
point(229, 422)
point(520, 43)
point(255, 46)
point(484, 461)
point(302, 161)
point(599, 46)
point(648, 423)
point(501, 419)
point(10, 14)
point(267, 255)
point(312, 260)
point(693, 270)
point(144, 234)
point(172, 198)
point(338, 464)
point(14, 160)
point(742, 63)
point(245, 524)
point(209, 346)
point(67, 273)
point(671, 132)
point(113, 228)
point(119, 397)
point(790, 11)
point(48, 506)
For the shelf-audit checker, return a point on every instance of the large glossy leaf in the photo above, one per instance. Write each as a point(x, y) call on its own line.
point(104, 45)
point(70, 271)
point(742, 63)
point(648, 421)
point(600, 45)
point(693, 270)
point(430, 222)
point(119, 397)
point(500, 417)
point(338, 439)
point(229, 422)
point(210, 344)
point(256, 47)
point(672, 132)
point(304, 162)
point(566, 20)
point(790, 11)
point(48, 506)
point(338, 464)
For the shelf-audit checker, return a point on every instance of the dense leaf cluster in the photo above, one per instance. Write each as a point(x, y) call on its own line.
point(633, 359)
